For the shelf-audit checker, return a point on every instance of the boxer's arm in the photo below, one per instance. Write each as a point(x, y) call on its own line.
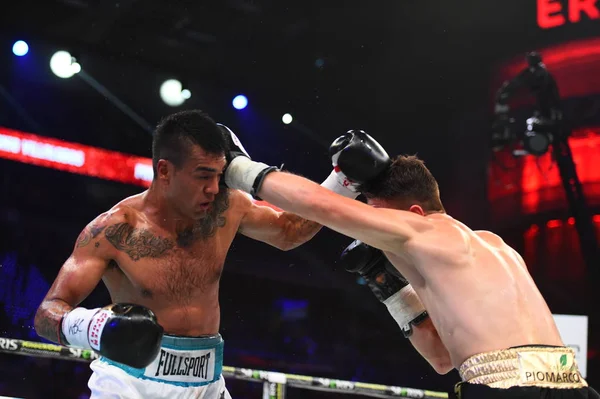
point(427, 342)
point(386, 229)
point(269, 224)
point(77, 278)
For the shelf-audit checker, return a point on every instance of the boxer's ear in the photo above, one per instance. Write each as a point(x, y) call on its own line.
point(417, 209)
point(164, 169)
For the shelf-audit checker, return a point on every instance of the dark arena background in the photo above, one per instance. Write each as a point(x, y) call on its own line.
point(422, 77)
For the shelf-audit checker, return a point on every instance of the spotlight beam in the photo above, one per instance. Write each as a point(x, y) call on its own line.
point(20, 110)
point(87, 78)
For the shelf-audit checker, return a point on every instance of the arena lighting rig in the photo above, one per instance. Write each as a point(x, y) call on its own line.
point(544, 129)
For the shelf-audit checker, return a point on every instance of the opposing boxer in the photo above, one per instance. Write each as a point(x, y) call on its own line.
point(160, 254)
point(492, 322)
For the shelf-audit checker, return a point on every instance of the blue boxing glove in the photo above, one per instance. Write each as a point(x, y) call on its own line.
point(356, 158)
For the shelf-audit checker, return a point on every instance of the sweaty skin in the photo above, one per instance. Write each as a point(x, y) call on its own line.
point(147, 253)
point(477, 290)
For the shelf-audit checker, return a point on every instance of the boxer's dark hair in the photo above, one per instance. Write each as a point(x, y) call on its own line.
point(408, 181)
point(176, 132)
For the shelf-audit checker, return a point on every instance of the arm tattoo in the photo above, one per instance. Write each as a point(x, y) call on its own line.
point(307, 227)
point(137, 243)
point(302, 229)
point(48, 319)
point(88, 234)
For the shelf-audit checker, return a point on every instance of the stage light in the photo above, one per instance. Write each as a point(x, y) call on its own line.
point(287, 119)
point(20, 48)
point(240, 102)
point(75, 67)
point(64, 65)
point(173, 93)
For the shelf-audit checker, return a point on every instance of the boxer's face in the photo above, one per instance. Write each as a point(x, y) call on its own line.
point(193, 188)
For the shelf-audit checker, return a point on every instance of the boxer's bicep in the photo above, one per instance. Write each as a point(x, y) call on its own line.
point(84, 269)
point(77, 278)
point(75, 281)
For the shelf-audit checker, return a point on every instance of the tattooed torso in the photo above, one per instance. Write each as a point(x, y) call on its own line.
point(177, 276)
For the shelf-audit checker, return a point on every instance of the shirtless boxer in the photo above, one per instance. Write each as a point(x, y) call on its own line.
point(160, 254)
point(492, 323)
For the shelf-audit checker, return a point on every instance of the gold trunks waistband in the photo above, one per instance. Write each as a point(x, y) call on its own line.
point(547, 367)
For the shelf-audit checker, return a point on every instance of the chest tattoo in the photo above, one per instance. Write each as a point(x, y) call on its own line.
point(137, 243)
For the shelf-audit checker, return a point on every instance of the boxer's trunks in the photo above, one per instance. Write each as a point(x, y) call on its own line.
point(523, 372)
point(184, 368)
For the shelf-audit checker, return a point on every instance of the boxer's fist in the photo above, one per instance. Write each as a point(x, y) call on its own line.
point(357, 158)
point(131, 334)
point(122, 332)
point(242, 172)
point(370, 263)
point(236, 149)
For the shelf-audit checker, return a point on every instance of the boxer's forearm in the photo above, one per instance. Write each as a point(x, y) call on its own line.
point(48, 318)
point(294, 194)
point(385, 229)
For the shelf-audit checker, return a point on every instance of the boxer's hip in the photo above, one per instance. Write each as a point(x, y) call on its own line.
point(182, 361)
point(526, 366)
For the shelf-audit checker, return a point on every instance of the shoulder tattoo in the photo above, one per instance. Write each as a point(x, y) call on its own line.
point(88, 234)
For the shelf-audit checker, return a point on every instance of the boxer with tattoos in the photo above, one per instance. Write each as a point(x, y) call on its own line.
point(161, 254)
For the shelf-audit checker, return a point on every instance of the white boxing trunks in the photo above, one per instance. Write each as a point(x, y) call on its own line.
point(185, 368)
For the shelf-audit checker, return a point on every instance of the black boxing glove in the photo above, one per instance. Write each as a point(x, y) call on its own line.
point(356, 158)
point(372, 265)
point(122, 332)
point(242, 172)
point(386, 282)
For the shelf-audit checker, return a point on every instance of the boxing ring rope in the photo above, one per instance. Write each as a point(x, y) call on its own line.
point(274, 383)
